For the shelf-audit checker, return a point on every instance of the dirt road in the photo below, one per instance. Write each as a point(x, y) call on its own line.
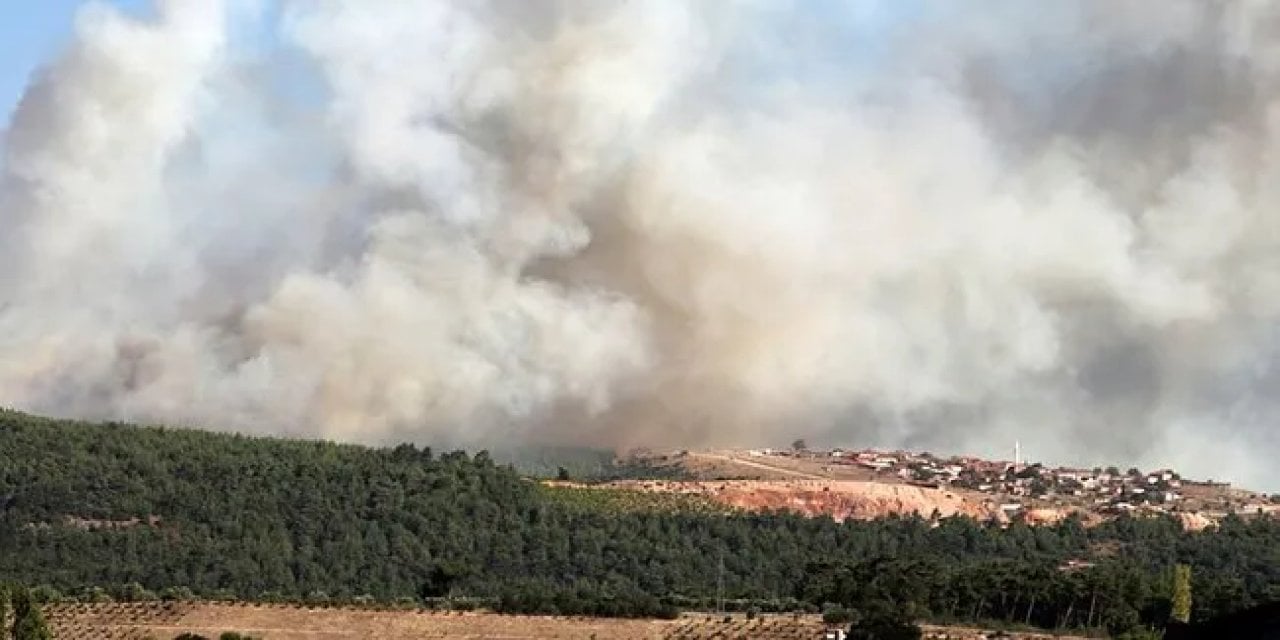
point(760, 465)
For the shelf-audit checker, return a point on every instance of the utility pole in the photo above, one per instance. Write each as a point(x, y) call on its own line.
point(720, 584)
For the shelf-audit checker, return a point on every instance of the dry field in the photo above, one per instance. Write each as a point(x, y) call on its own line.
point(724, 465)
point(164, 620)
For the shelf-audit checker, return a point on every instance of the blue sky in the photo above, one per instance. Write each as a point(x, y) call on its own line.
point(31, 33)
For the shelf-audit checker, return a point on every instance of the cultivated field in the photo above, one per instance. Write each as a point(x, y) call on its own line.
point(164, 620)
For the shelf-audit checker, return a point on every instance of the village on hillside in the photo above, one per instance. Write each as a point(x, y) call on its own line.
point(1017, 487)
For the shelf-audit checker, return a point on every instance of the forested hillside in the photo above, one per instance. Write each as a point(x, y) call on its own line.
point(135, 511)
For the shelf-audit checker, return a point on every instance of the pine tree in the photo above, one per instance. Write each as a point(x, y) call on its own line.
point(1181, 594)
point(4, 610)
point(28, 621)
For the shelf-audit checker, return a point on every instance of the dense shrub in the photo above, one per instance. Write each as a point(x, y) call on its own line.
point(188, 513)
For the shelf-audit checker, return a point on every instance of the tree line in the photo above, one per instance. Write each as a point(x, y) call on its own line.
point(112, 510)
point(20, 616)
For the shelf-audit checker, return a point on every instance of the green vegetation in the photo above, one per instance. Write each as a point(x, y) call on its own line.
point(28, 621)
point(586, 465)
point(4, 610)
point(116, 512)
point(880, 620)
point(1181, 594)
point(609, 500)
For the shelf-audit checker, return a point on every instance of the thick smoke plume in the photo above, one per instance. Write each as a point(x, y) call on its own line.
point(654, 222)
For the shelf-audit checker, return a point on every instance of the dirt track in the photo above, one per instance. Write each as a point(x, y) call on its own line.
point(759, 465)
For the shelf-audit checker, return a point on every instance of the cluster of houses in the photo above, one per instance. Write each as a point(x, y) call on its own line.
point(1099, 489)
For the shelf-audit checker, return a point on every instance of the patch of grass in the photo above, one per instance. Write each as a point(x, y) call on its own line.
point(618, 500)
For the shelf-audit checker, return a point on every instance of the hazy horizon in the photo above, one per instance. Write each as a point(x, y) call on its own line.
point(652, 223)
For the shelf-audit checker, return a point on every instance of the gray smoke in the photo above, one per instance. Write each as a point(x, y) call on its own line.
point(661, 223)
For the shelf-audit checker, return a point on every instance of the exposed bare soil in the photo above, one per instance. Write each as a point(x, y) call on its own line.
point(728, 464)
point(164, 620)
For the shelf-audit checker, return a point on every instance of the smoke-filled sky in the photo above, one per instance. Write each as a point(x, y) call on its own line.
point(661, 223)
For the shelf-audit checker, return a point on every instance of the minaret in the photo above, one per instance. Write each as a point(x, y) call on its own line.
point(1017, 455)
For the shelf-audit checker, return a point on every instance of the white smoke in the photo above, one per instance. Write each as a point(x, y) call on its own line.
point(659, 223)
